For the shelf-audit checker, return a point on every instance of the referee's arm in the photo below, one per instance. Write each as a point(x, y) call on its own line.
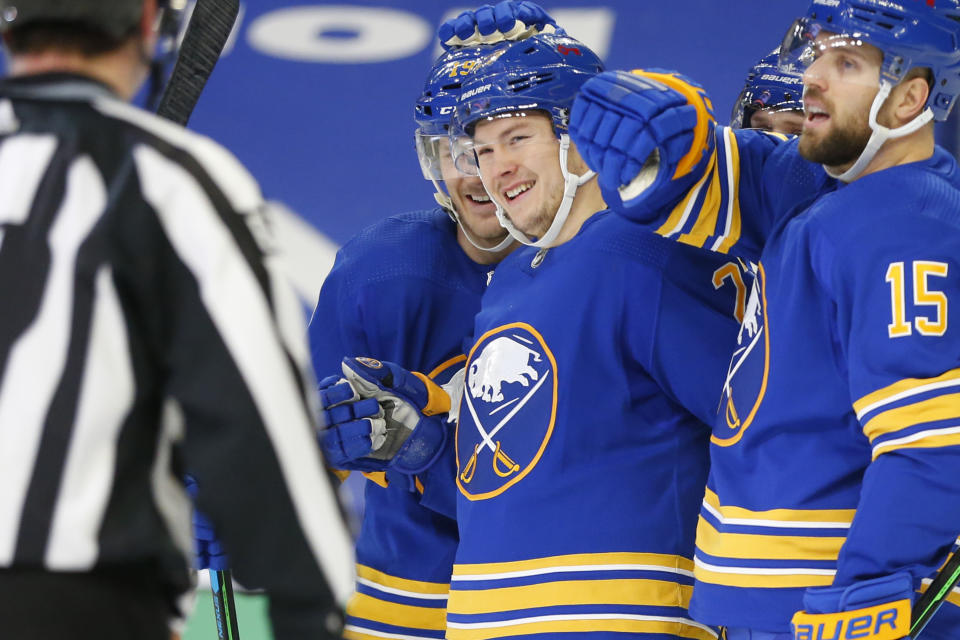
point(236, 366)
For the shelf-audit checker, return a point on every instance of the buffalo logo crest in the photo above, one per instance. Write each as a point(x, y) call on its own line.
point(509, 410)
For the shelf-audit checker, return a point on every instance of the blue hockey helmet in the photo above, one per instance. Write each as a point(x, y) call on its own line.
point(436, 104)
point(767, 88)
point(909, 34)
point(542, 73)
point(433, 114)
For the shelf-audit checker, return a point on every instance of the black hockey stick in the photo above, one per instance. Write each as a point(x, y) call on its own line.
point(932, 598)
point(206, 35)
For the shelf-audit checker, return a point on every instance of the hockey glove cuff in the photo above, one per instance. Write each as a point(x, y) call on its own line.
point(648, 134)
point(877, 609)
point(507, 20)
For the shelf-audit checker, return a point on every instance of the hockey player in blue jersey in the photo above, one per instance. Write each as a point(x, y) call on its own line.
point(580, 456)
point(408, 288)
point(836, 454)
point(770, 99)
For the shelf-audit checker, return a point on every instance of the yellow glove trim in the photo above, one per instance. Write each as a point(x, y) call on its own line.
point(889, 621)
point(701, 103)
point(437, 399)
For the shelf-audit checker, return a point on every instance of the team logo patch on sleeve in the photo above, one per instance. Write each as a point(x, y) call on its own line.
point(508, 412)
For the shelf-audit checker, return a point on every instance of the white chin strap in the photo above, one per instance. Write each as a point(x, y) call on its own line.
point(880, 135)
point(571, 183)
point(446, 203)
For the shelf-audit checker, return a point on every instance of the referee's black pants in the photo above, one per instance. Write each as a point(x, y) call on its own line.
point(40, 605)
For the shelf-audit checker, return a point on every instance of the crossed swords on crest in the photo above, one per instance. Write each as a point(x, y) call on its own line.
point(499, 455)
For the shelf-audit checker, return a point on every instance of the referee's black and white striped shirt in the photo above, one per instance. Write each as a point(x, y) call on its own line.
point(144, 331)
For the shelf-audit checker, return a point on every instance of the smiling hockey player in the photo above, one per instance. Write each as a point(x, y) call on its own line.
point(580, 458)
point(408, 288)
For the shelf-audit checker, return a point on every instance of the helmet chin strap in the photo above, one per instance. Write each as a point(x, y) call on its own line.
point(571, 182)
point(879, 135)
point(446, 203)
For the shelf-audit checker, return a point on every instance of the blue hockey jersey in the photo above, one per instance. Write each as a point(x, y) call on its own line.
point(835, 455)
point(402, 289)
point(580, 458)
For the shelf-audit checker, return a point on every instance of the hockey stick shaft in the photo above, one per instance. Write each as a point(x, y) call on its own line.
point(206, 36)
point(224, 605)
point(935, 595)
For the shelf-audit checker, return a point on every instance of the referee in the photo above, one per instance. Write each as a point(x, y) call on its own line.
point(144, 332)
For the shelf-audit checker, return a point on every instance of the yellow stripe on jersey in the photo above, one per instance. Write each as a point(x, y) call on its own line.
point(778, 517)
point(341, 474)
point(581, 561)
point(931, 439)
point(582, 623)
point(752, 577)
point(367, 607)
point(733, 173)
point(767, 547)
point(678, 217)
point(402, 584)
point(659, 593)
point(706, 223)
point(945, 407)
point(903, 389)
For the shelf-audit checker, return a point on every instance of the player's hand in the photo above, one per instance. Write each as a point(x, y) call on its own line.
point(649, 135)
point(208, 551)
point(507, 20)
point(381, 416)
point(877, 609)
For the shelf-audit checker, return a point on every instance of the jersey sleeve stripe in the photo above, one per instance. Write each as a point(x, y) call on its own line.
point(922, 440)
point(681, 213)
point(408, 587)
point(783, 518)
point(904, 389)
point(705, 224)
point(767, 547)
point(733, 229)
point(943, 407)
point(765, 578)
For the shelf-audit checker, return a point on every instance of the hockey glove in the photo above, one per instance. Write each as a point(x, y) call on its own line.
point(381, 416)
point(209, 553)
point(877, 609)
point(648, 134)
point(507, 20)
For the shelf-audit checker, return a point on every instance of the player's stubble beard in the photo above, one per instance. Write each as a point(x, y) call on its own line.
point(842, 145)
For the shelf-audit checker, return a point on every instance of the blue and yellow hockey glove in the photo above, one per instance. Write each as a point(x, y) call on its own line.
point(208, 551)
point(380, 416)
point(649, 135)
point(507, 20)
point(877, 609)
